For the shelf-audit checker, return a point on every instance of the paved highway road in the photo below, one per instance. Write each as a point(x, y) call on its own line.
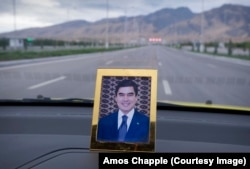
point(182, 75)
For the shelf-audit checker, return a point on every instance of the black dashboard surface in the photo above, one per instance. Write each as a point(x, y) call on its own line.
point(59, 136)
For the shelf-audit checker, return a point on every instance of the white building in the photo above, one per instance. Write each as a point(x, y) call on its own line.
point(16, 43)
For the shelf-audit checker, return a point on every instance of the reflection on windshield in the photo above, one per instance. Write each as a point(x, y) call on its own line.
point(201, 51)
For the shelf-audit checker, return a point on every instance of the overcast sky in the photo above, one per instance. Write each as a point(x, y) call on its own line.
point(40, 13)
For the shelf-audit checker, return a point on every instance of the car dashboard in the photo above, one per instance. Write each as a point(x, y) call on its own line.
point(43, 135)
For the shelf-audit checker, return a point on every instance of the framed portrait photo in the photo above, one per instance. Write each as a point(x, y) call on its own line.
point(124, 113)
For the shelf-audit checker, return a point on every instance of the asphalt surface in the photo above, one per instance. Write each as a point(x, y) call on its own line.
point(182, 75)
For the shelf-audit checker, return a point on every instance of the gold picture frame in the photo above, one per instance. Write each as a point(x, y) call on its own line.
point(104, 105)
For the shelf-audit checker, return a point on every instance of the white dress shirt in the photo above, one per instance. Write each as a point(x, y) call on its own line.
point(129, 115)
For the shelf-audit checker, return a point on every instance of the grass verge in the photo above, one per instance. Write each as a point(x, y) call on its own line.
point(18, 55)
point(243, 57)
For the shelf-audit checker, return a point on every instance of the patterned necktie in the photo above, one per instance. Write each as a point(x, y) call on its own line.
point(123, 128)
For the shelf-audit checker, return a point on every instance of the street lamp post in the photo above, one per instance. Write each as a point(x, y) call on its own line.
point(107, 25)
point(14, 23)
point(202, 28)
point(125, 29)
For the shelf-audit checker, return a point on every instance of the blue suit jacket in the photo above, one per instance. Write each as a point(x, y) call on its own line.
point(138, 130)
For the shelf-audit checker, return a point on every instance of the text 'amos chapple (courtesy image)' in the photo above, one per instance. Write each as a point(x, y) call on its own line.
point(162, 160)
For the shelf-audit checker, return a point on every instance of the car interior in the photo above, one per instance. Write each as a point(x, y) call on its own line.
point(50, 54)
point(56, 134)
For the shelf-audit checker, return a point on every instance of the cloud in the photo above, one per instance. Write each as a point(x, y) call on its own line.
point(6, 7)
point(43, 3)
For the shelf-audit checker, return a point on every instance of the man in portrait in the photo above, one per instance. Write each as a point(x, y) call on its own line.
point(126, 124)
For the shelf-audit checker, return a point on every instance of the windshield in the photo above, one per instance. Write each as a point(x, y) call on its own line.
point(53, 48)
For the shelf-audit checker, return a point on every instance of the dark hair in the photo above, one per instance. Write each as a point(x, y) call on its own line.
point(127, 83)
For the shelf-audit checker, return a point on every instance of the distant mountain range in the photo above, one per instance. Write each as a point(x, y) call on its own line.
point(219, 24)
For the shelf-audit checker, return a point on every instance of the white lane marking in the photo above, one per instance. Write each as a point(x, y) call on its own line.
point(46, 83)
point(166, 87)
point(210, 65)
point(159, 63)
point(109, 62)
